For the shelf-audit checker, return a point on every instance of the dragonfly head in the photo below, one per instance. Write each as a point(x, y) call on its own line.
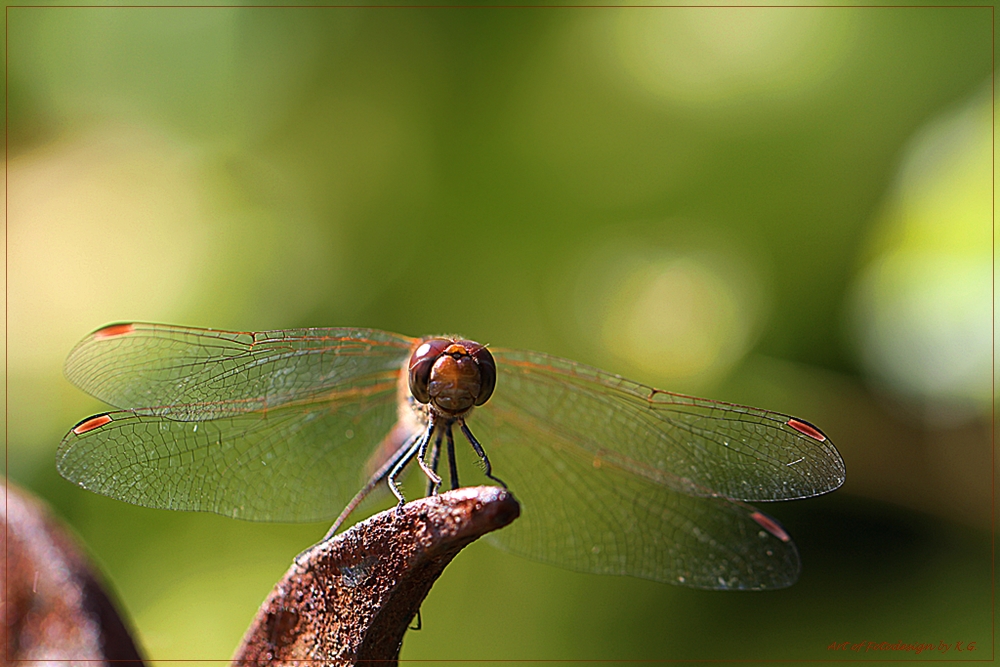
point(452, 375)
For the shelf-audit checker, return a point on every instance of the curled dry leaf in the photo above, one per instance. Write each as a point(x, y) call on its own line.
point(57, 609)
point(349, 600)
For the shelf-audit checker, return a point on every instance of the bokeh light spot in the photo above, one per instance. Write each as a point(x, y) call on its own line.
point(674, 316)
point(921, 306)
point(102, 227)
point(702, 57)
point(683, 313)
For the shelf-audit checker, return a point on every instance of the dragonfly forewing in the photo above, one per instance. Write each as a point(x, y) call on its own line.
point(695, 446)
point(189, 374)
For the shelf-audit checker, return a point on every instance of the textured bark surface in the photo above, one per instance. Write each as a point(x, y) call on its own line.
point(56, 608)
point(350, 600)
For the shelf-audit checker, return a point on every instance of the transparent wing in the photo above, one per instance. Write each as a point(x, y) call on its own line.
point(615, 477)
point(189, 374)
point(607, 521)
point(693, 445)
point(299, 462)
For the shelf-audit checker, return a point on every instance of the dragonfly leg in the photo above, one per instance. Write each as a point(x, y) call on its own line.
point(487, 468)
point(452, 465)
point(419, 446)
point(432, 487)
point(375, 480)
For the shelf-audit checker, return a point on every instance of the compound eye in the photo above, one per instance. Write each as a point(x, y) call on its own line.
point(421, 362)
point(487, 374)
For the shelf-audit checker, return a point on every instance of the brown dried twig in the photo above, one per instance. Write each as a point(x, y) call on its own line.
point(349, 600)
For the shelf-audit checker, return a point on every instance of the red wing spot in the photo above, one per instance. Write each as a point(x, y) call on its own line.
point(113, 330)
point(807, 429)
point(771, 526)
point(91, 423)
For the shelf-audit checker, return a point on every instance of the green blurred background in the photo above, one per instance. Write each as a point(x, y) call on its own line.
point(785, 207)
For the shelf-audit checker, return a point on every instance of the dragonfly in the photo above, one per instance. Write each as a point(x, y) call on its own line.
point(613, 477)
